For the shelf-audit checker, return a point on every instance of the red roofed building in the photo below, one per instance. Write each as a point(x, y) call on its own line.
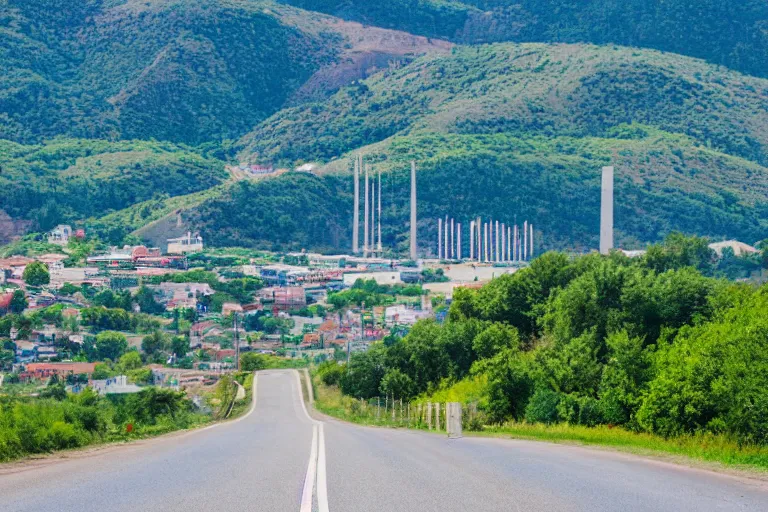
point(45, 370)
point(5, 301)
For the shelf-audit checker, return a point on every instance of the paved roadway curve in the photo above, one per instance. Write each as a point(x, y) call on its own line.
point(278, 459)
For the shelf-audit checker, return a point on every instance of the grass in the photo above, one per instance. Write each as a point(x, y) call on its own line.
point(717, 451)
point(329, 400)
point(704, 447)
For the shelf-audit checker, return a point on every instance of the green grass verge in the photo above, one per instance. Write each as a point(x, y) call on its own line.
point(708, 448)
point(714, 450)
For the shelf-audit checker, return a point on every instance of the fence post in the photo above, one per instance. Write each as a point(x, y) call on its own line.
point(378, 406)
point(437, 417)
point(393, 408)
point(429, 415)
point(453, 419)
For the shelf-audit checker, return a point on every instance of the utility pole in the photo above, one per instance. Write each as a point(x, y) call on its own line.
point(237, 342)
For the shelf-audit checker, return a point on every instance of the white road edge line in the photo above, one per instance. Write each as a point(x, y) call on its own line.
point(322, 483)
point(309, 479)
point(316, 461)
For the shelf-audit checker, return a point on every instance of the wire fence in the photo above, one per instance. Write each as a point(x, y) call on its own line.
point(423, 414)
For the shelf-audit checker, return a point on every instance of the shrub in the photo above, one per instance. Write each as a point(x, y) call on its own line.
point(543, 407)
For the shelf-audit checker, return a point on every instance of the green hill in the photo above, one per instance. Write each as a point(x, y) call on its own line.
point(188, 71)
point(664, 183)
point(70, 180)
point(723, 32)
point(521, 130)
point(528, 89)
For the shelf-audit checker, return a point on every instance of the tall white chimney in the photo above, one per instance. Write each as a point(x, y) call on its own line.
point(412, 251)
point(356, 211)
point(531, 251)
point(379, 216)
point(366, 214)
point(458, 241)
point(503, 242)
point(453, 241)
point(471, 240)
point(525, 241)
point(606, 212)
point(439, 238)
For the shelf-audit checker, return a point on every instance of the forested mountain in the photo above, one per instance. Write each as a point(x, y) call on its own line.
point(69, 180)
point(511, 129)
point(733, 34)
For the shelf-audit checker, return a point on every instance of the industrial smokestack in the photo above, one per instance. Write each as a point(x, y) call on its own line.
point(517, 245)
point(458, 241)
point(413, 211)
point(606, 212)
point(509, 243)
point(479, 228)
point(367, 213)
point(525, 241)
point(471, 240)
point(446, 245)
point(439, 239)
point(485, 242)
point(373, 214)
point(453, 241)
point(379, 216)
point(356, 212)
point(516, 254)
point(497, 241)
point(503, 242)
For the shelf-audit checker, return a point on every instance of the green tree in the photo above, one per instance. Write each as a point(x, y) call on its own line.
point(36, 274)
point(110, 345)
point(154, 343)
point(180, 345)
point(396, 384)
point(251, 362)
point(18, 302)
point(145, 299)
point(130, 361)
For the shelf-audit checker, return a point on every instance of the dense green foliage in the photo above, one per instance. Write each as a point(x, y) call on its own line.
point(70, 180)
point(594, 340)
point(720, 31)
point(194, 71)
point(58, 421)
point(528, 89)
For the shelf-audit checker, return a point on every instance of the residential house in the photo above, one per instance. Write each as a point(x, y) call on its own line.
point(37, 371)
point(402, 314)
point(286, 299)
point(229, 308)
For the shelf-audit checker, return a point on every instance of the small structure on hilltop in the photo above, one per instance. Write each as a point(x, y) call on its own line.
point(60, 234)
point(186, 244)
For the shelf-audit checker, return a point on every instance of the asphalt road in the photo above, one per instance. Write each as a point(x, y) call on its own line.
point(278, 459)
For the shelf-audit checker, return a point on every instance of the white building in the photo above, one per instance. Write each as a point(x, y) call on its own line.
point(387, 278)
point(114, 386)
point(185, 245)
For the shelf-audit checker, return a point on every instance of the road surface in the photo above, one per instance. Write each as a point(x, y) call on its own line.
point(279, 459)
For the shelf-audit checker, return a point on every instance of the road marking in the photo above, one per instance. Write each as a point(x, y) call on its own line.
point(322, 484)
point(309, 479)
point(316, 462)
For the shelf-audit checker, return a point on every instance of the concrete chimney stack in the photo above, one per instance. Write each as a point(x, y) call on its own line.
point(412, 251)
point(356, 211)
point(525, 241)
point(453, 241)
point(379, 216)
point(503, 242)
point(439, 239)
point(471, 240)
point(606, 212)
point(366, 213)
point(458, 241)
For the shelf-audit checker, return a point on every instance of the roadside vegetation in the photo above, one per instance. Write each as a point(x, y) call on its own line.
point(649, 352)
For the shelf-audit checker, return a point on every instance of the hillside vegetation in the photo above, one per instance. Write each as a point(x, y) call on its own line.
point(68, 180)
point(664, 183)
point(187, 71)
point(571, 90)
point(723, 32)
